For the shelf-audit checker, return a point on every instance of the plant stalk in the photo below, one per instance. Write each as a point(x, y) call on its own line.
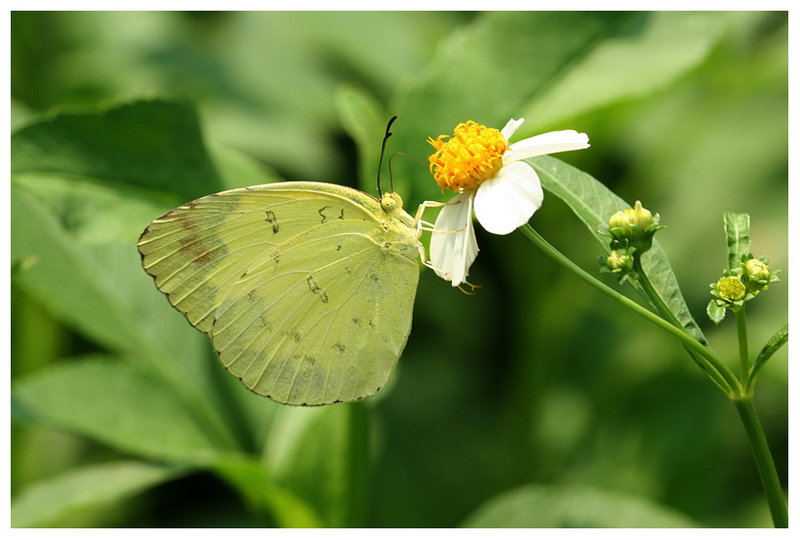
point(744, 356)
point(764, 463)
point(655, 298)
point(357, 464)
point(713, 366)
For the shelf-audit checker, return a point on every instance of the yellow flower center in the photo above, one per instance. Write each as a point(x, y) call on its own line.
point(473, 154)
point(731, 288)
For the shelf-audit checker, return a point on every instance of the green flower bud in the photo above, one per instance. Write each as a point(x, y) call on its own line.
point(757, 270)
point(633, 227)
point(731, 288)
point(619, 261)
point(641, 216)
point(756, 275)
point(619, 225)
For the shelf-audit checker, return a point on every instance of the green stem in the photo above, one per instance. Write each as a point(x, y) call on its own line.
point(713, 366)
point(357, 464)
point(764, 463)
point(744, 357)
point(655, 298)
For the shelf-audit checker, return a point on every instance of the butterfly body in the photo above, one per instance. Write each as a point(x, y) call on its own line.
point(305, 289)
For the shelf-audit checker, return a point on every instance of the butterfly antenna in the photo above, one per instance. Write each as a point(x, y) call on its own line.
point(389, 161)
point(380, 161)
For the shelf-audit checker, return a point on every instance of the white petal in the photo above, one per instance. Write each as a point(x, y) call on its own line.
point(508, 200)
point(510, 127)
point(454, 249)
point(546, 143)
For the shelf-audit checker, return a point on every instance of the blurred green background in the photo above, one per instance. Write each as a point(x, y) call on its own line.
point(536, 402)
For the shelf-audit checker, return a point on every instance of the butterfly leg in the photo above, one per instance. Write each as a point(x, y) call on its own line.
point(430, 227)
point(427, 262)
point(425, 225)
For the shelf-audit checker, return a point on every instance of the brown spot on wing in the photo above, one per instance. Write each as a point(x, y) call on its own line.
point(193, 247)
point(328, 212)
point(314, 288)
point(273, 220)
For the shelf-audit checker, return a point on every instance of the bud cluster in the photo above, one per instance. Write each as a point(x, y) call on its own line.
point(631, 232)
point(634, 227)
point(739, 285)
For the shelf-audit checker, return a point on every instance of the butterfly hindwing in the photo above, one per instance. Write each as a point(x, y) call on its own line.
point(318, 331)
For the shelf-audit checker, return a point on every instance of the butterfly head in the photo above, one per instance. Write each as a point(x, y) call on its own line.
point(391, 202)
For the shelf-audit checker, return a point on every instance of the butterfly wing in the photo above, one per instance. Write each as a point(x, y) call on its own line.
point(305, 289)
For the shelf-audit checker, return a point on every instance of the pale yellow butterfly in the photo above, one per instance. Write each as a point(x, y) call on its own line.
point(305, 289)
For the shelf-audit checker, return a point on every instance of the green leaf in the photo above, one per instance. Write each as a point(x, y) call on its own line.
point(117, 405)
point(594, 204)
point(311, 452)
point(572, 506)
point(89, 304)
point(148, 144)
point(646, 53)
point(72, 226)
point(487, 72)
point(110, 299)
point(715, 311)
point(237, 169)
point(737, 233)
point(91, 212)
point(262, 495)
point(545, 67)
point(78, 213)
point(771, 347)
point(365, 121)
point(96, 486)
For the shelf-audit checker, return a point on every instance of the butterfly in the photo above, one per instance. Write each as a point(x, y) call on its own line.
point(305, 289)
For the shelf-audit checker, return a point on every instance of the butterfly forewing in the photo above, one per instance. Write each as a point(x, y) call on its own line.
point(305, 289)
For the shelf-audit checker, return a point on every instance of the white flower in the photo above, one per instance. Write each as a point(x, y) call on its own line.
point(489, 178)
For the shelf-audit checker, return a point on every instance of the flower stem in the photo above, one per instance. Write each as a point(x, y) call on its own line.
point(716, 370)
point(713, 366)
point(764, 463)
point(357, 464)
point(744, 357)
point(720, 369)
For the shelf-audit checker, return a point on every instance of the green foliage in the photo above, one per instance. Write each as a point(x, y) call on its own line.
point(745, 277)
point(84, 488)
point(772, 346)
point(120, 146)
point(715, 311)
point(594, 204)
point(271, 503)
point(572, 506)
point(634, 52)
point(534, 381)
point(69, 396)
point(737, 234)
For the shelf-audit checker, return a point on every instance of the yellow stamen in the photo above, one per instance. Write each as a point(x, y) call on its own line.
point(473, 154)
